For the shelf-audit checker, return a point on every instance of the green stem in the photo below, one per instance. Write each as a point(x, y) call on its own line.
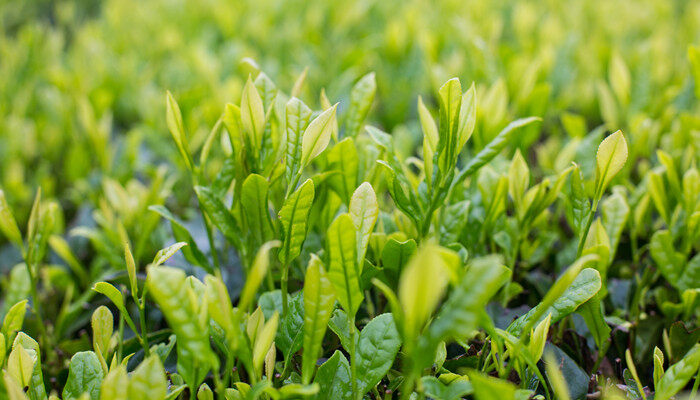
point(353, 357)
point(120, 347)
point(694, 391)
point(38, 309)
point(584, 233)
point(144, 330)
point(283, 288)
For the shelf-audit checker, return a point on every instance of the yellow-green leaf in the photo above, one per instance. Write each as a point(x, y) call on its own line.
point(343, 272)
point(610, 158)
point(364, 211)
point(317, 135)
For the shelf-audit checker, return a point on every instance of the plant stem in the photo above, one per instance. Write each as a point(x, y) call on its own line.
point(283, 288)
point(37, 308)
point(144, 331)
point(120, 347)
point(584, 233)
point(353, 357)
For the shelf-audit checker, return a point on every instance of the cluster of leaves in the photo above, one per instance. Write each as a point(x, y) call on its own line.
point(350, 294)
point(492, 245)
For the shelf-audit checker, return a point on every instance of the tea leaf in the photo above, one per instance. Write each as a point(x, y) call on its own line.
point(298, 116)
point(294, 216)
point(333, 378)
point(102, 323)
point(257, 274)
point(177, 129)
point(148, 380)
point(319, 299)
point(113, 384)
point(252, 114)
point(487, 387)
point(492, 149)
point(343, 271)
point(219, 214)
point(84, 376)
point(418, 300)
point(361, 98)
point(254, 204)
point(8, 225)
point(317, 135)
point(571, 290)
point(20, 365)
point(171, 291)
point(376, 349)
point(343, 159)
point(364, 211)
point(264, 340)
point(610, 158)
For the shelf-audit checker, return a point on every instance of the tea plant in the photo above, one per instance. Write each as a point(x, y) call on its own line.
point(177, 224)
point(367, 274)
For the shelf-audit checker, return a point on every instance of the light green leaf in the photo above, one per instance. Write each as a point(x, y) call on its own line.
point(177, 129)
point(164, 254)
point(84, 376)
point(8, 225)
point(254, 204)
point(219, 214)
point(672, 264)
point(333, 377)
point(252, 114)
point(148, 380)
point(178, 302)
point(518, 180)
point(298, 116)
point(13, 320)
point(592, 313)
point(319, 299)
point(113, 294)
point(489, 388)
point(418, 300)
point(492, 149)
point(610, 158)
point(294, 217)
point(317, 135)
point(36, 391)
point(344, 272)
point(678, 375)
point(20, 365)
point(538, 338)
point(467, 117)
point(565, 296)
point(102, 323)
point(113, 384)
point(361, 97)
point(615, 215)
point(263, 341)
point(131, 270)
point(376, 349)
point(364, 211)
point(256, 275)
point(343, 160)
point(459, 315)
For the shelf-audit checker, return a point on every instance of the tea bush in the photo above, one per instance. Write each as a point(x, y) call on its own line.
point(394, 200)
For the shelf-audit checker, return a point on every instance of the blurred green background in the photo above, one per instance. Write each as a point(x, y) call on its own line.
point(82, 82)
